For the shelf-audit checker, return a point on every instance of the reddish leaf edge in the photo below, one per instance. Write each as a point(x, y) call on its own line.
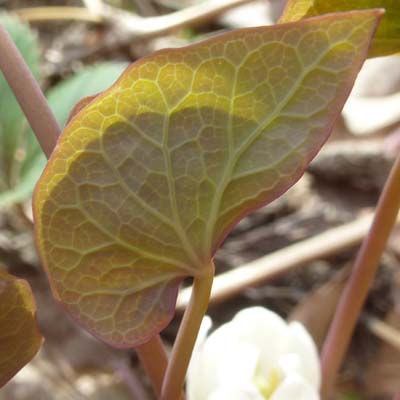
point(86, 101)
point(80, 105)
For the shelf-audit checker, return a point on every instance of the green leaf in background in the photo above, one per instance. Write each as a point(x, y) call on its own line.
point(12, 120)
point(387, 38)
point(20, 338)
point(62, 99)
point(148, 179)
point(351, 396)
point(88, 81)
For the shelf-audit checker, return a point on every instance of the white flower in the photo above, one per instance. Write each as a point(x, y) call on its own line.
point(256, 356)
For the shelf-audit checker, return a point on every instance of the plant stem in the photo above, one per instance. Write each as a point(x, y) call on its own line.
point(187, 335)
point(363, 272)
point(28, 93)
point(47, 130)
point(154, 359)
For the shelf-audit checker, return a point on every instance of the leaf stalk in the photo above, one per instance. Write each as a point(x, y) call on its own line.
point(187, 335)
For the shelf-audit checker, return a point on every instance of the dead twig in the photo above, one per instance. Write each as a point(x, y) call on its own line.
point(125, 27)
point(38, 14)
point(383, 331)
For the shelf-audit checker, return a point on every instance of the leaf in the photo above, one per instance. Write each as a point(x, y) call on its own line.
point(11, 116)
point(387, 37)
point(148, 179)
point(61, 99)
point(20, 338)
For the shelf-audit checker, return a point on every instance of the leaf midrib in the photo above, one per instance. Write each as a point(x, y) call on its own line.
point(178, 227)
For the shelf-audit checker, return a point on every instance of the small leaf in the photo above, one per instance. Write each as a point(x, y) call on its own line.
point(387, 37)
point(20, 339)
point(148, 179)
point(62, 99)
point(11, 117)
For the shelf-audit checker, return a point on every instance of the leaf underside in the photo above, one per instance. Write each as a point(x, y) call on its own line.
point(387, 37)
point(20, 339)
point(147, 180)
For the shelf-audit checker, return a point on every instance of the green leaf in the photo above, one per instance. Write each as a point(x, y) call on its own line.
point(62, 99)
point(351, 396)
point(387, 38)
point(149, 178)
point(20, 339)
point(12, 121)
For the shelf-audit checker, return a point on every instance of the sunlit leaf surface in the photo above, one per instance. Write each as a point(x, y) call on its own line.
point(19, 336)
point(387, 38)
point(150, 177)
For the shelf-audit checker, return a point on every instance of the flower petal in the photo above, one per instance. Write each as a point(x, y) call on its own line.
point(237, 359)
point(234, 392)
point(295, 387)
point(303, 346)
point(221, 360)
point(265, 330)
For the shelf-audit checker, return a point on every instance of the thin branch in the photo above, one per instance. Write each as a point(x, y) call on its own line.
point(257, 272)
point(363, 273)
point(28, 93)
point(187, 335)
point(384, 331)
